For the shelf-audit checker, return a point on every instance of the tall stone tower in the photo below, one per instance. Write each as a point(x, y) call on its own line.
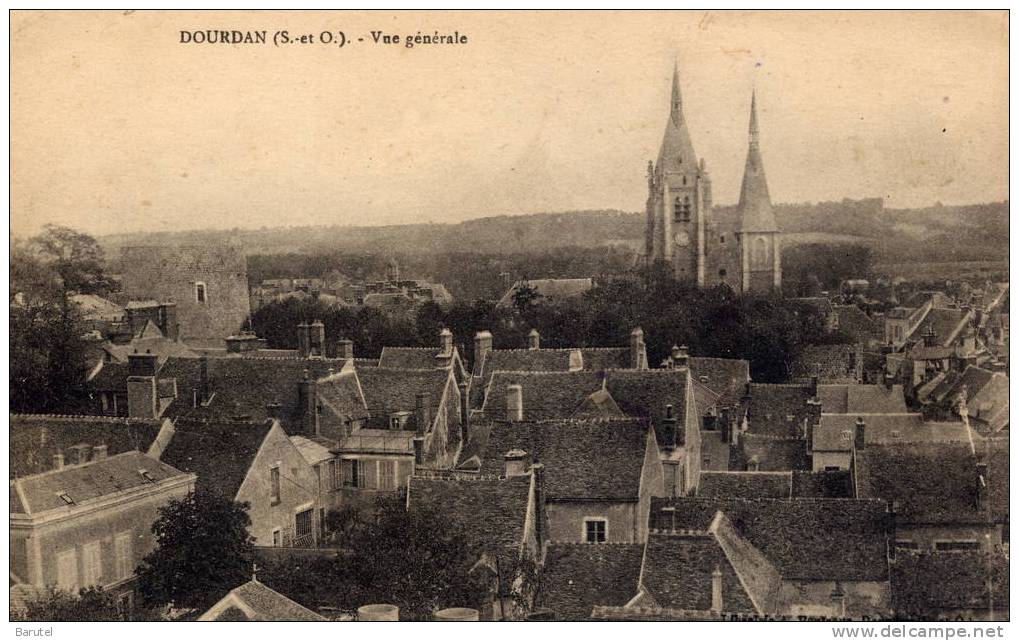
point(759, 243)
point(679, 199)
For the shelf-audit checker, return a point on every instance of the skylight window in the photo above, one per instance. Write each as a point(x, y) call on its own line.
point(145, 475)
point(65, 497)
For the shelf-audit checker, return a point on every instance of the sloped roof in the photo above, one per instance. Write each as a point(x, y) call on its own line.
point(546, 395)
point(778, 409)
point(646, 393)
point(35, 438)
point(827, 484)
point(836, 431)
point(945, 322)
point(747, 485)
point(756, 214)
point(578, 576)
point(920, 588)
point(934, 483)
point(602, 358)
point(774, 453)
point(525, 360)
point(312, 451)
point(254, 601)
point(988, 397)
point(92, 307)
point(413, 358)
point(821, 539)
point(677, 573)
point(860, 398)
point(830, 363)
point(857, 324)
point(395, 390)
point(341, 394)
point(726, 377)
point(85, 483)
point(997, 457)
point(219, 452)
point(584, 459)
point(676, 153)
point(549, 288)
point(490, 511)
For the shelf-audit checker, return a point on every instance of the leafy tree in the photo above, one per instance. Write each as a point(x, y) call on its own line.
point(203, 550)
point(75, 257)
point(90, 604)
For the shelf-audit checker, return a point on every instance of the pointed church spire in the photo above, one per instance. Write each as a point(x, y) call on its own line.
point(755, 210)
point(676, 153)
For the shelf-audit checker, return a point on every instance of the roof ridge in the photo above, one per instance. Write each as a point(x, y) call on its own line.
point(680, 532)
point(540, 349)
point(412, 347)
point(77, 466)
point(88, 417)
point(220, 421)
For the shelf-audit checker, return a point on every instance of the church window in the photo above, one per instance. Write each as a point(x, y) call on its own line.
point(200, 294)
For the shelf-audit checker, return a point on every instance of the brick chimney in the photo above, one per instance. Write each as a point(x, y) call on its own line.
point(419, 450)
point(514, 403)
point(99, 452)
point(318, 339)
point(637, 348)
point(345, 348)
point(716, 590)
point(446, 342)
point(304, 339)
point(482, 346)
point(422, 412)
point(307, 398)
point(58, 461)
point(516, 463)
point(533, 339)
point(142, 399)
point(860, 435)
point(669, 429)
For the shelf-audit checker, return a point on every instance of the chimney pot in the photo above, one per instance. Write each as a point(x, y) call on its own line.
point(716, 590)
point(533, 339)
point(860, 435)
point(516, 463)
point(345, 348)
point(446, 341)
point(514, 402)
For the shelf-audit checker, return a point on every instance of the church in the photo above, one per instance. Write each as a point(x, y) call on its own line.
point(738, 247)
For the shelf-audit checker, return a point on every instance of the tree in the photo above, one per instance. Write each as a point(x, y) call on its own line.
point(203, 550)
point(525, 297)
point(76, 258)
point(90, 604)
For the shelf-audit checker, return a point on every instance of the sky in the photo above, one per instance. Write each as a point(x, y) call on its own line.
point(116, 126)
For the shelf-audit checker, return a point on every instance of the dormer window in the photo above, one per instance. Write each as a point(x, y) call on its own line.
point(394, 423)
point(200, 293)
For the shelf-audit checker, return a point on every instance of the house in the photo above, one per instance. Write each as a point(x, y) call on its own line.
point(576, 577)
point(502, 519)
point(979, 393)
point(253, 462)
point(798, 557)
point(829, 363)
point(664, 398)
point(600, 474)
point(447, 356)
point(833, 438)
point(978, 589)
point(939, 492)
point(89, 523)
point(776, 485)
point(254, 601)
point(547, 289)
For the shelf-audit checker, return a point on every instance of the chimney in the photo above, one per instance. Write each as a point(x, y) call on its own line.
point(142, 399)
point(514, 403)
point(446, 342)
point(204, 386)
point(680, 357)
point(533, 339)
point(99, 452)
point(858, 362)
point(465, 413)
point(710, 419)
point(726, 426)
point(860, 435)
point(168, 321)
point(422, 412)
point(983, 503)
point(538, 478)
point(307, 394)
point(304, 339)
point(79, 453)
point(345, 348)
point(813, 385)
point(482, 346)
point(273, 410)
point(838, 601)
point(318, 339)
point(637, 348)
point(669, 429)
point(716, 590)
point(58, 461)
point(419, 450)
point(516, 463)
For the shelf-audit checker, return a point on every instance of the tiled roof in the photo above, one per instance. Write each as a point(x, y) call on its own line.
point(997, 456)
point(526, 360)
point(490, 512)
point(260, 603)
point(855, 322)
point(726, 377)
point(934, 483)
point(987, 403)
point(646, 393)
point(826, 539)
point(773, 453)
point(677, 573)
point(35, 438)
point(549, 288)
point(412, 358)
point(746, 485)
point(945, 322)
point(395, 390)
point(830, 363)
point(715, 452)
point(546, 395)
point(779, 410)
point(341, 395)
point(162, 347)
point(219, 452)
point(312, 451)
point(828, 484)
point(860, 398)
point(578, 576)
point(84, 483)
point(835, 434)
point(920, 588)
point(583, 459)
point(601, 358)
point(822, 304)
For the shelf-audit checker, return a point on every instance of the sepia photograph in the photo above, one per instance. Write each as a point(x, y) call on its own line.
point(697, 317)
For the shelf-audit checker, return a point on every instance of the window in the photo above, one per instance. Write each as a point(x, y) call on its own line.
point(404, 469)
point(302, 527)
point(92, 564)
point(394, 423)
point(318, 477)
point(684, 181)
point(760, 252)
point(122, 553)
point(387, 475)
point(956, 546)
point(322, 522)
point(277, 538)
point(349, 469)
point(832, 468)
point(366, 474)
point(200, 294)
point(274, 485)
point(594, 530)
point(721, 239)
point(67, 570)
point(722, 273)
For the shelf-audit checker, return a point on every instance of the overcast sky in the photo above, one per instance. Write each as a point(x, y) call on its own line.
point(116, 126)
